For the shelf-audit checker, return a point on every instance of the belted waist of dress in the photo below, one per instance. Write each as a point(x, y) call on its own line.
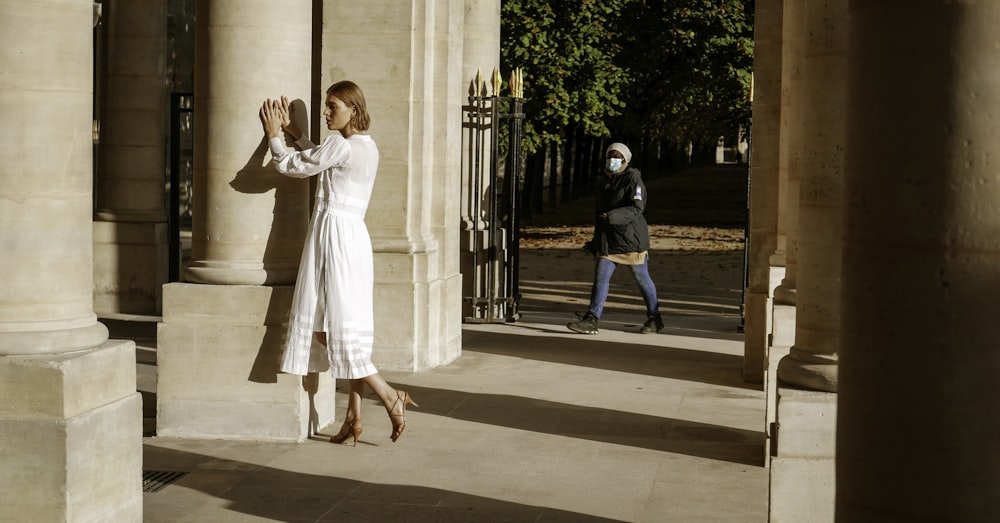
point(339, 208)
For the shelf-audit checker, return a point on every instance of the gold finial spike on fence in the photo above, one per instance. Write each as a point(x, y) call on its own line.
point(479, 83)
point(517, 83)
point(472, 88)
point(497, 82)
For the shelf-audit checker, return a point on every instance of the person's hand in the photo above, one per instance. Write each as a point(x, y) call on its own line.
point(272, 116)
point(286, 112)
point(287, 123)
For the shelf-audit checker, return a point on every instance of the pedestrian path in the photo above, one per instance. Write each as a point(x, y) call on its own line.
point(531, 423)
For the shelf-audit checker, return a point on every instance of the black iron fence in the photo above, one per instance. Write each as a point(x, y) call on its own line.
point(492, 180)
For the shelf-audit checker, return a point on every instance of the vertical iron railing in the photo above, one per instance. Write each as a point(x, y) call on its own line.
point(494, 292)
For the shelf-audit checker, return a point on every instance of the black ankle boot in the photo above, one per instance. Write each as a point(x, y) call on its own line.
point(653, 324)
point(586, 325)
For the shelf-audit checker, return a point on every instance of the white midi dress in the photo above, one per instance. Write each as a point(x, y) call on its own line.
point(333, 292)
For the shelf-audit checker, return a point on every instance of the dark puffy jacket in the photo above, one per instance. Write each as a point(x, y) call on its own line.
point(623, 197)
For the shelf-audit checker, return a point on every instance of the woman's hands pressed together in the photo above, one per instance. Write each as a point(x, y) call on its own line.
point(275, 115)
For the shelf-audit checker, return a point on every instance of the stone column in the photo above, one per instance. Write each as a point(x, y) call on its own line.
point(782, 261)
point(802, 469)
point(812, 361)
point(130, 229)
point(481, 54)
point(917, 436)
point(793, 145)
point(415, 89)
point(766, 143)
point(71, 418)
point(224, 327)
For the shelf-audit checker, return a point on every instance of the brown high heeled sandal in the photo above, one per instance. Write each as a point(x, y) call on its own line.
point(399, 419)
point(348, 429)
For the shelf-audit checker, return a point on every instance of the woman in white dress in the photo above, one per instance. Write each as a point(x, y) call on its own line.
point(332, 318)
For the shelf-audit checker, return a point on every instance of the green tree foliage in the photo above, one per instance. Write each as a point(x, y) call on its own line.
point(567, 49)
point(691, 63)
point(675, 70)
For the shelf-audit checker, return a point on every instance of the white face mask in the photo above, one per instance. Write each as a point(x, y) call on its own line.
point(614, 164)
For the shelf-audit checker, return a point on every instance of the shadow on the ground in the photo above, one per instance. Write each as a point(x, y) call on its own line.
point(616, 427)
point(283, 495)
point(650, 360)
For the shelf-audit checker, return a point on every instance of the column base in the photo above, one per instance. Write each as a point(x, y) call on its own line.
point(782, 337)
point(784, 295)
point(809, 371)
point(72, 423)
point(236, 273)
point(219, 348)
point(803, 469)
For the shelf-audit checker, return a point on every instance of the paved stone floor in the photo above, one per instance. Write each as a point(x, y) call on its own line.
point(532, 423)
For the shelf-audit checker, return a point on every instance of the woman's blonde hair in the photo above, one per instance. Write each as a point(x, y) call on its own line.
point(349, 93)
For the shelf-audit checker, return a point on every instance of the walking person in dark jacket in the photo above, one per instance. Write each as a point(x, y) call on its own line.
point(621, 237)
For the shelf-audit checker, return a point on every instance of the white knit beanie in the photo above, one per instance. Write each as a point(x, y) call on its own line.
point(622, 148)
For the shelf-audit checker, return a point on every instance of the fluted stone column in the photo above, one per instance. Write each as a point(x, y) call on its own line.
point(412, 76)
point(766, 143)
point(917, 433)
point(70, 419)
point(812, 361)
point(223, 328)
point(130, 227)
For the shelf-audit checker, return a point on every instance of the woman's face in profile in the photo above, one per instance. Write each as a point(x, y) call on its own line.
point(338, 114)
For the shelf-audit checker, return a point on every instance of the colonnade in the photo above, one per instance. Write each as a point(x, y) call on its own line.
point(888, 204)
point(71, 418)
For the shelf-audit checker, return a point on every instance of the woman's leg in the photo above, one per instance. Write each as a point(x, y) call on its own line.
point(603, 270)
point(355, 390)
point(646, 287)
point(352, 420)
point(395, 402)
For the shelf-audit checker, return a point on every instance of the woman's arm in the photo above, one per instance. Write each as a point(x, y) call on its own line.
point(332, 152)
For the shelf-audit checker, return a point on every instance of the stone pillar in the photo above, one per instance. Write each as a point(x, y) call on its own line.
point(415, 90)
point(766, 143)
point(802, 469)
point(223, 330)
point(794, 145)
point(812, 361)
point(481, 54)
point(782, 261)
point(71, 418)
point(917, 436)
point(130, 227)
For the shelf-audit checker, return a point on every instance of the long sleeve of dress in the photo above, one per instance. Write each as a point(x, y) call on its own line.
point(312, 159)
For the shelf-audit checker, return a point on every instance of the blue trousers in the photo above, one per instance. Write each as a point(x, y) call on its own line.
point(603, 271)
